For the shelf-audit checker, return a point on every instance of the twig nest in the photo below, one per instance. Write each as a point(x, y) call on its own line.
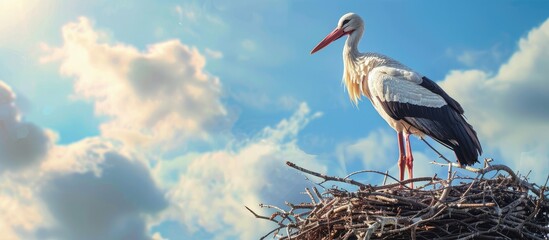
point(454, 208)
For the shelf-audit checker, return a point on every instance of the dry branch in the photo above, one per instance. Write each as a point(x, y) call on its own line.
point(501, 207)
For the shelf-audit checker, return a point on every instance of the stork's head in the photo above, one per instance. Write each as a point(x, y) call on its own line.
point(347, 24)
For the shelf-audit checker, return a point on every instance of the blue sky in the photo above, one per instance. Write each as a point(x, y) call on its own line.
point(164, 118)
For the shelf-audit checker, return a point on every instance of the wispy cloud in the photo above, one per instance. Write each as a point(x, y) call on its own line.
point(193, 16)
point(472, 58)
point(213, 53)
point(479, 59)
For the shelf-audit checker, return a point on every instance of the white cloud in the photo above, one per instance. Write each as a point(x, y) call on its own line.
point(213, 54)
point(483, 59)
point(509, 109)
point(196, 13)
point(213, 188)
point(157, 98)
point(289, 128)
point(21, 143)
point(78, 157)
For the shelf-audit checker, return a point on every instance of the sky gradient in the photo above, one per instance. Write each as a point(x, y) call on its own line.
point(162, 119)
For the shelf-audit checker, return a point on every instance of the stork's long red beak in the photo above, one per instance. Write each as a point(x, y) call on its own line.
point(334, 35)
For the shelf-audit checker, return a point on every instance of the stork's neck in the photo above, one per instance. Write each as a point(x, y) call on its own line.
point(350, 50)
point(352, 72)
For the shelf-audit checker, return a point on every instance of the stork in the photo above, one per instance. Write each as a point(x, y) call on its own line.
point(408, 101)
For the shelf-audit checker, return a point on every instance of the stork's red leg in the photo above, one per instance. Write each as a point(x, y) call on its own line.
point(409, 158)
point(401, 156)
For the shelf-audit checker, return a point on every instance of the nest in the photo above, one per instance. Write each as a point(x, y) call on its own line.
point(503, 206)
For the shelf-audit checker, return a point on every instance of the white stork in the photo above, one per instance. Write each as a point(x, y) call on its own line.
point(410, 102)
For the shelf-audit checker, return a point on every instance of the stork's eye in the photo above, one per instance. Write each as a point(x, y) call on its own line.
point(345, 22)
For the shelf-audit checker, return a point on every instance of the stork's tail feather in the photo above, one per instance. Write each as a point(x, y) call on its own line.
point(466, 145)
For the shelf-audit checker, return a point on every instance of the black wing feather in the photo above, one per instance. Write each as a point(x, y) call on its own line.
point(444, 124)
point(435, 88)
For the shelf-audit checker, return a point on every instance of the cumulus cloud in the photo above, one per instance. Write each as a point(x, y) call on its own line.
point(21, 143)
point(509, 109)
point(93, 191)
point(160, 97)
point(213, 187)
